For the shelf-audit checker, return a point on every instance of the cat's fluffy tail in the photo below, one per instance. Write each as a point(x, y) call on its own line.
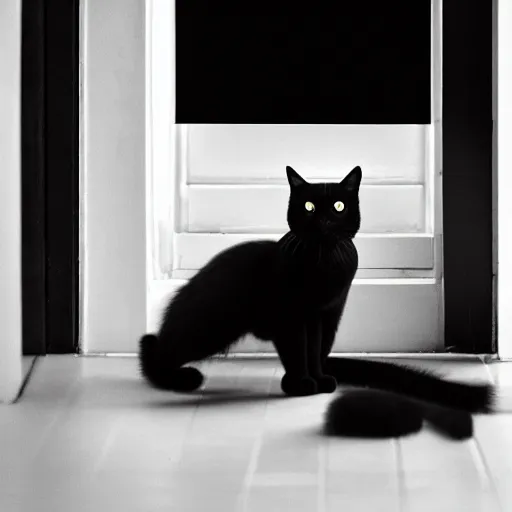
point(421, 384)
point(381, 414)
point(159, 371)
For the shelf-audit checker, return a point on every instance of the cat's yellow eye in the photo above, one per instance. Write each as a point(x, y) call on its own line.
point(339, 206)
point(310, 207)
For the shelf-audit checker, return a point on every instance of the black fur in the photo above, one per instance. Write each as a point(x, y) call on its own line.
point(421, 384)
point(381, 414)
point(156, 370)
point(292, 293)
point(365, 413)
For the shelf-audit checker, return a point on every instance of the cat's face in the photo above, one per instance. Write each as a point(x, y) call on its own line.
point(324, 211)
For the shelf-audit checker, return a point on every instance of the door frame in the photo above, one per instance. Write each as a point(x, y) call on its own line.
point(470, 324)
point(502, 171)
point(50, 176)
point(467, 168)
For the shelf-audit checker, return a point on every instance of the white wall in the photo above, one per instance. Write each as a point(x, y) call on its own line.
point(113, 173)
point(10, 211)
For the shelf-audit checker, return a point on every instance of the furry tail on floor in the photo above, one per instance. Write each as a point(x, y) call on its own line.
point(159, 371)
point(416, 383)
point(382, 414)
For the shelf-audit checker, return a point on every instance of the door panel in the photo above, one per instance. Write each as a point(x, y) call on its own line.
point(388, 154)
point(229, 186)
point(262, 209)
point(192, 251)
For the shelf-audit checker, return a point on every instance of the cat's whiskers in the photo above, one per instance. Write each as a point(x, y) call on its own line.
point(338, 255)
point(289, 238)
point(297, 245)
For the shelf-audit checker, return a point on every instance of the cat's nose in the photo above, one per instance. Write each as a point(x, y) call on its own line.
point(324, 226)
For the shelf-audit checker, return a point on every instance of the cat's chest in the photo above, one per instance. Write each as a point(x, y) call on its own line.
point(321, 286)
point(319, 282)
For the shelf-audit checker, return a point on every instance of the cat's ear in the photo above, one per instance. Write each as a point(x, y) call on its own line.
point(352, 181)
point(294, 178)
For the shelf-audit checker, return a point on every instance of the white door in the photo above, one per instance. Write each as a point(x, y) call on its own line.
point(211, 186)
point(226, 183)
point(231, 186)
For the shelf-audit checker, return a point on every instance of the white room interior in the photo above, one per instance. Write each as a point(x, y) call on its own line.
point(119, 302)
point(88, 435)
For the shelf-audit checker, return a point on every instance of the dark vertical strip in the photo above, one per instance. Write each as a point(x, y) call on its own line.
point(33, 177)
point(495, 175)
point(467, 175)
point(62, 122)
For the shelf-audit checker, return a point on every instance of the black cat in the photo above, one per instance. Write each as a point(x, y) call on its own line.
point(291, 292)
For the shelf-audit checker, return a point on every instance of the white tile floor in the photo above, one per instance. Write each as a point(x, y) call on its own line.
point(88, 435)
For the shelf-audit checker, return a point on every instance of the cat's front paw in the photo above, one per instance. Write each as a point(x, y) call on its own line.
point(326, 384)
point(298, 386)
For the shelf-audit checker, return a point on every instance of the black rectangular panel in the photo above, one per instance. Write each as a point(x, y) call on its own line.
point(33, 178)
point(467, 175)
point(282, 61)
point(62, 199)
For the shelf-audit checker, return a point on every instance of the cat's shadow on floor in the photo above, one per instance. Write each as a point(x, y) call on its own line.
point(219, 397)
